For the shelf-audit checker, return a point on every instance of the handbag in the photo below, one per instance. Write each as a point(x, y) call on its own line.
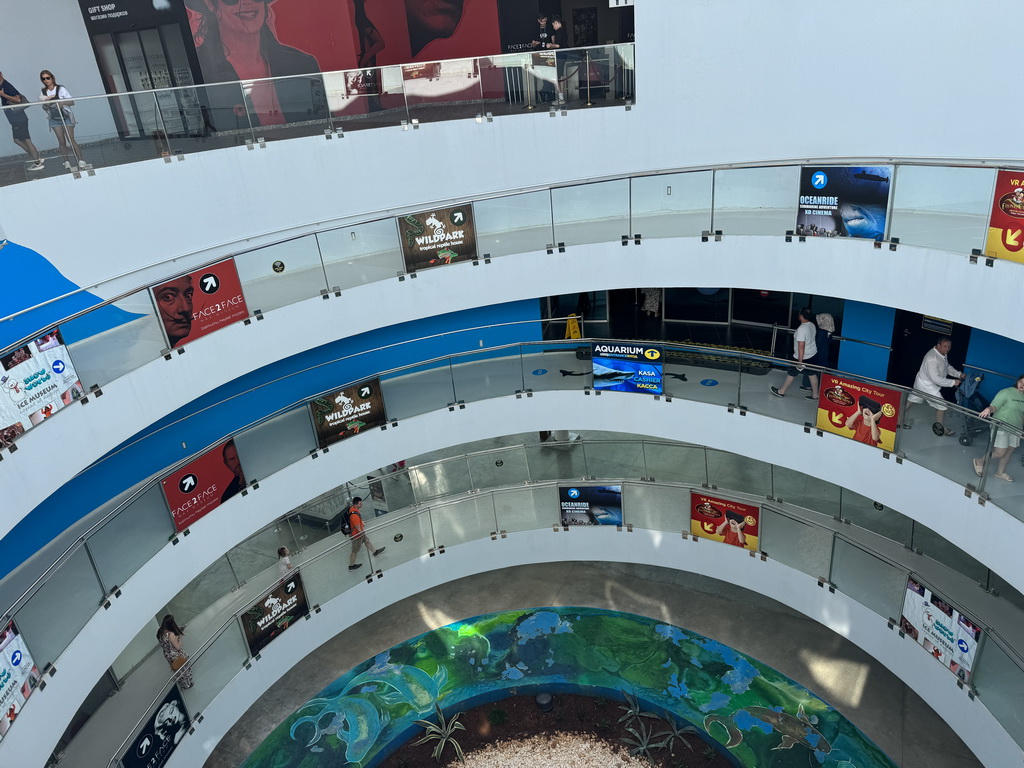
point(60, 112)
point(179, 662)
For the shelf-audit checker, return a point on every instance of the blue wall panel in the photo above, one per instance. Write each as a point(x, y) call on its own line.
point(867, 322)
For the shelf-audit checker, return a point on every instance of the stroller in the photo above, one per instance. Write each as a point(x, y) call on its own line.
point(968, 396)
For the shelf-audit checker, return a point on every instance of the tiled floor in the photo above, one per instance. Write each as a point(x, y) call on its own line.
point(865, 692)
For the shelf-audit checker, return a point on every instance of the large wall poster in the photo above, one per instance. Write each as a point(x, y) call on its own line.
point(39, 379)
point(1006, 221)
point(19, 676)
point(438, 237)
point(160, 735)
point(860, 411)
point(590, 504)
point(193, 305)
point(273, 613)
point(622, 367)
point(347, 412)
point(844, 201)
point(948, 635)
point(730, 522)
point(202, 485)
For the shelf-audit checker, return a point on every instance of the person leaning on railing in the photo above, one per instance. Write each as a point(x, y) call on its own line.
point(1009, 404)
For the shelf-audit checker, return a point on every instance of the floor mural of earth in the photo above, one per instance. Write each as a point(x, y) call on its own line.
point(762, 718)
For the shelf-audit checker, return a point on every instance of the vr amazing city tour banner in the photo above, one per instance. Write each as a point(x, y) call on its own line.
point(948, 635)
point(863, 412)
point(590, 504)
point(273, 613)
point(19, 676)
point(347, 412)
point(202, 485)
point(844, 201)
point(730, 522)
point(39, 379)
point(1006, 221)
point(437, 238)
point(193, 305)
point(621, 367)
point(160, 734)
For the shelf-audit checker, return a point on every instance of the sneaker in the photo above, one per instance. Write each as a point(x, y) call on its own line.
point(775, 391)
point(82, 164)
point(805, 389)
point(812, 398)
point(36, 166)
point(354, 567)
point(377, 553)
point(67, 165)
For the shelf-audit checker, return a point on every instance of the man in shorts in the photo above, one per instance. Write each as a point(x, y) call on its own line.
point(1009, 404)
point(9, 95)
point(934, 374)
point(358, 535)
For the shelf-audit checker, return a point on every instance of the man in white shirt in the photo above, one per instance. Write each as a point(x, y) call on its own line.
point(804, 349)
point(935, 373)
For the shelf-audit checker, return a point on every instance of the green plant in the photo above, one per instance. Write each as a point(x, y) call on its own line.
point(443, 732)
point(643, 741)
point(710, 753)
point(676, 732)
point(604, 725)
point(633, 710)
point(497, 717)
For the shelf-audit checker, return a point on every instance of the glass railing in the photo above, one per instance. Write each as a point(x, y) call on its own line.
point(168, 123)
point(129, 534)
point(127, 332)
point(63, 599)
point(488, 494)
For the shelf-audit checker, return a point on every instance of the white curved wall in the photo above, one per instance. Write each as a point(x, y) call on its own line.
point(819, 266)
point(717, 82)
point(938, 503)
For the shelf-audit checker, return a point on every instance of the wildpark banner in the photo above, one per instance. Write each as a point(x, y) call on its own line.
point(346, 412)
point(273, 613)
point(730, 522)
point(437, 238)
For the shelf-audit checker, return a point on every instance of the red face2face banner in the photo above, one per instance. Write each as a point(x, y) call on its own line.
point(202, 485)
point(199, 303)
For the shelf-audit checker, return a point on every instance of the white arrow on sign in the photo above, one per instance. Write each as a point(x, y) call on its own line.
point(209, 284)
point(457, 217)
point(188, 482)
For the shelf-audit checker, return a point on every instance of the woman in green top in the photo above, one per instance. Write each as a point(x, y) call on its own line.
point(1009, 404)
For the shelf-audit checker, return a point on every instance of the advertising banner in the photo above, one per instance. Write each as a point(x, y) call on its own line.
point(443, 236)
point(863, 412)
point(347, 412)
point(160, 735)
point(590, 504)
point(730, 522)
point(945, 633)
point(273, 613)
point(844, 201)
point(39, 380)
point(620, 367)
point(19, 676)
point(1006, 221)
point(199, 303)
point(202, 485)
point(119, 15)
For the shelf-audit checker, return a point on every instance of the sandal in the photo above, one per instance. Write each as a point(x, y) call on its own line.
point(1004, 476)
point(979, 468)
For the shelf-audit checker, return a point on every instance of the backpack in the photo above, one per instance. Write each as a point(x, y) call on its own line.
point(346, 525)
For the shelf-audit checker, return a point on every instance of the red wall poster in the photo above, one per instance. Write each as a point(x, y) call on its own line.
point(1006, 221)
point(860, 411)
point(193, 305)
point(730, 522)
point(204, 484)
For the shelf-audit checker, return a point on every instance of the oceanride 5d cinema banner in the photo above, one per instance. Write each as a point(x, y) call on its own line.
point(437, 238)
point(844, 201)
point(620, 367)
point(273, 613)
point(347, 412)
point(39, 380)
point(590, 504)
point(948, 635)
